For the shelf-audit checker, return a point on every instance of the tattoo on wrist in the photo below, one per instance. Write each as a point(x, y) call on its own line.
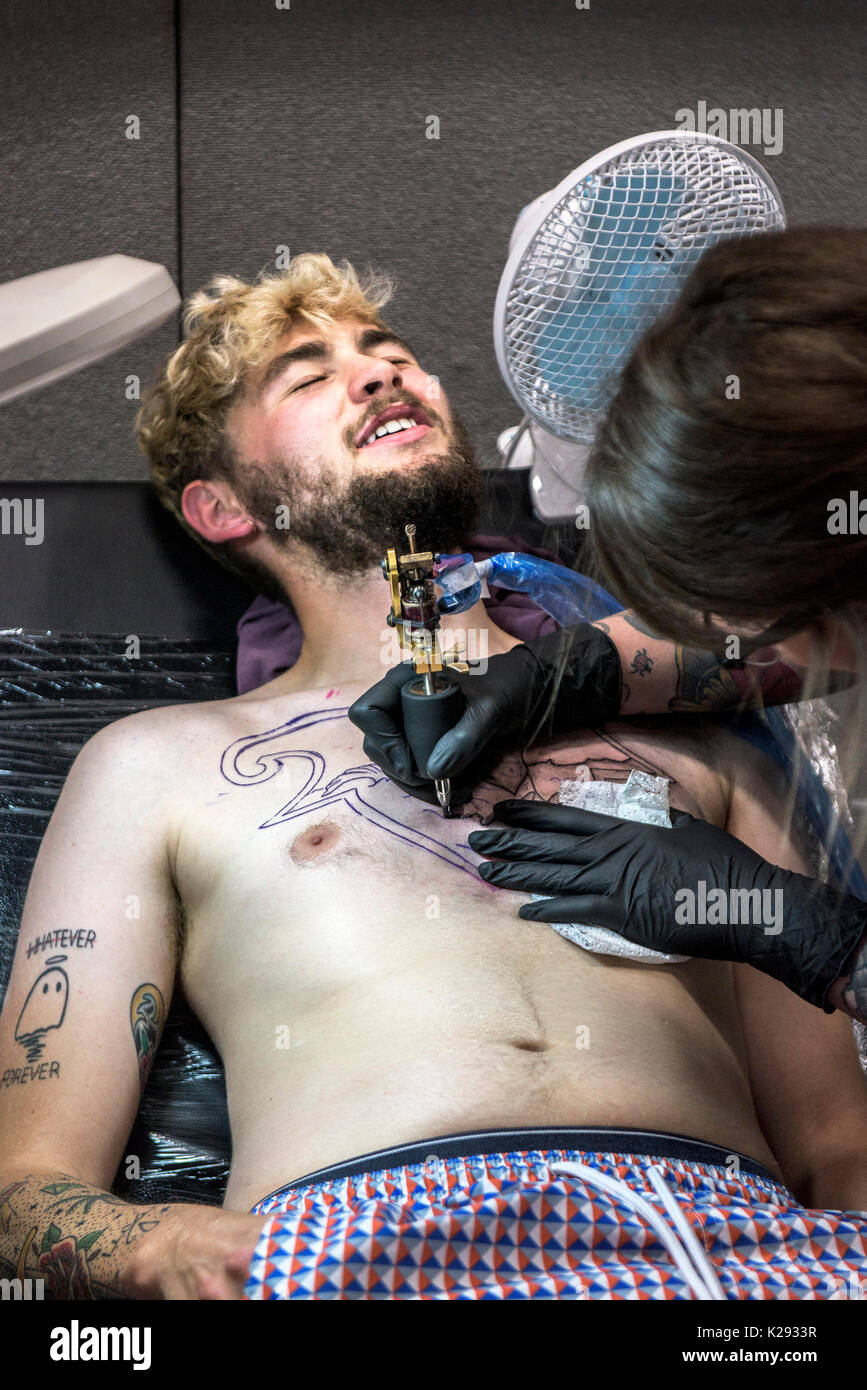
point(706, 681)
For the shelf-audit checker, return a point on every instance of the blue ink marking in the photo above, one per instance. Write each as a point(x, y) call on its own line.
point(314, 795)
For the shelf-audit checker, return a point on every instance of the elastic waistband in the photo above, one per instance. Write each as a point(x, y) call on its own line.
point(641, 1142)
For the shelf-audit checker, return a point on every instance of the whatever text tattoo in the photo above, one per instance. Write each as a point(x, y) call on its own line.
point(61, 939)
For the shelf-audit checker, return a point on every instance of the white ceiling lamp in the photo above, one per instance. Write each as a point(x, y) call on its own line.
point(57, 321)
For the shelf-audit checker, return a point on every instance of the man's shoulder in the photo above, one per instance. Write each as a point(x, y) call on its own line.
point(166, 737)
point(161, 724)
point(159, 741)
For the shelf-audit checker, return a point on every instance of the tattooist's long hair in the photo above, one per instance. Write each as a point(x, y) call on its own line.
point(739, 418)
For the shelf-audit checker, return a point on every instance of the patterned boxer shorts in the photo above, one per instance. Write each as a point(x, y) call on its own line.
point(489, 1217)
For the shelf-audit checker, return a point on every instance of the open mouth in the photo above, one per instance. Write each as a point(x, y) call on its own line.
point(397, 424)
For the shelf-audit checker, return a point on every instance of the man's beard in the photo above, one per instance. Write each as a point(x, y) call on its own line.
point(349, 532)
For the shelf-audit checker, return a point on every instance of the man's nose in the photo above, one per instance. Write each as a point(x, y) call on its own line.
point(375, 375)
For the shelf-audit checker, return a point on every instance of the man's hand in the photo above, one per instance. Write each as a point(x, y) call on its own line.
point(639, 880)
point(196, 1252)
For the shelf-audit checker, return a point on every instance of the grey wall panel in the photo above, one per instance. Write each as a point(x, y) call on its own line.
point(306, 126)
point(75, 187)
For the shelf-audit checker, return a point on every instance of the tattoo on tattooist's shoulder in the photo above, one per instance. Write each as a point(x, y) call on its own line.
point(147, 1014)
point(703, 682)
point(706, 682)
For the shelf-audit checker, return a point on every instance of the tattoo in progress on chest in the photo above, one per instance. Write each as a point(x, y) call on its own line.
point(533, 775)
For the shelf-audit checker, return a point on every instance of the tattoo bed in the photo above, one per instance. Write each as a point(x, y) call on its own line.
point(57, 689)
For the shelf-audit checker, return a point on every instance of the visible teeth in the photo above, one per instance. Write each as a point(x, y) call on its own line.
point(391, 427)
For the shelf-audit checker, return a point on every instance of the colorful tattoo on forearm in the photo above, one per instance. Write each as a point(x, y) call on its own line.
point(79, 1225)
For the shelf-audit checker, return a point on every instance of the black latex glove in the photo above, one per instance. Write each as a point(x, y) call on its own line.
point(503, 702)
point(607, 872)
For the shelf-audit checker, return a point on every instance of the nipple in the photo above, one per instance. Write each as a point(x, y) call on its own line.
point(315, 842)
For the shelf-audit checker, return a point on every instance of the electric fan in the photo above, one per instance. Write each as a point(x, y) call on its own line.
point(592, 264)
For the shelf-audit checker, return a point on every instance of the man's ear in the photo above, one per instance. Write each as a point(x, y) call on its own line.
point(212, 509)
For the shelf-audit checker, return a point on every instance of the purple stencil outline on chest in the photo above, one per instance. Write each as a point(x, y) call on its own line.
point(316, 794)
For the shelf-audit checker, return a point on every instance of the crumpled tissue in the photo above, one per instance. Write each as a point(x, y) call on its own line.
point(641, 798)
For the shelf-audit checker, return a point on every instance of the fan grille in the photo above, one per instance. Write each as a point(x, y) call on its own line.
point(610, 257)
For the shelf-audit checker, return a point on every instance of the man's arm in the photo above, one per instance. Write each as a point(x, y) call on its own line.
point(809, 1090)
point(92, 977)
point(660, 676)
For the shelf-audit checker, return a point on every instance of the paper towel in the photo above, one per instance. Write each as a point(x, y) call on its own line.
point(641, 797)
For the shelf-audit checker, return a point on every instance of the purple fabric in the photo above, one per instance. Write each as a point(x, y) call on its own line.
point(270, 637)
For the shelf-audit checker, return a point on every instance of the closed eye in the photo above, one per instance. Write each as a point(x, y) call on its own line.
point(302, 384)
point(311, 381)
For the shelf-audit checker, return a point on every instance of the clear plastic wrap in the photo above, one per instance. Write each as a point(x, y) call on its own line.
point(567, 595)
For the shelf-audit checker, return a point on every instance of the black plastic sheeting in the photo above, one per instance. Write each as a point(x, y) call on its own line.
point(56, 691)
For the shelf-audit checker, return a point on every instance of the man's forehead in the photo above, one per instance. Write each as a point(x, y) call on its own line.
point(304, 328)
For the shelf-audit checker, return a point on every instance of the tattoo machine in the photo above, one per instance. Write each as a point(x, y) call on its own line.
point(433, 703)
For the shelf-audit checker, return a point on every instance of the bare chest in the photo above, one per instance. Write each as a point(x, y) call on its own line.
point(280, 804)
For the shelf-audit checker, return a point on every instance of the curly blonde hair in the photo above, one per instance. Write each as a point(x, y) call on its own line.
point(229, 329)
